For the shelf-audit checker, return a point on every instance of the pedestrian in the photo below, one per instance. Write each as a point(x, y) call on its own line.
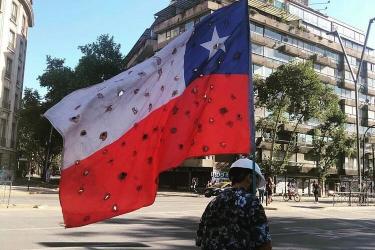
point(316, 188)
point(235, 219)
point(269, 187)
point(193, 186)
point(261, 191)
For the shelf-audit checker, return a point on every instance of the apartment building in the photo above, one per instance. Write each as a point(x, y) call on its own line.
point(282, 31)
point(16, 16)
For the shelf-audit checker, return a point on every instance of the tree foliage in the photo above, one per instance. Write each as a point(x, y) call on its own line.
point(294, 95)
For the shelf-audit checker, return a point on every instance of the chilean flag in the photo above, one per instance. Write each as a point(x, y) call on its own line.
point(192, 98)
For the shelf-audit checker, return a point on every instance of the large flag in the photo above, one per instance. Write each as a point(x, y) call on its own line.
point(192, 98)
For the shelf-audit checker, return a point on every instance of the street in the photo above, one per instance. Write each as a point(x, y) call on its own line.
point(171, 223)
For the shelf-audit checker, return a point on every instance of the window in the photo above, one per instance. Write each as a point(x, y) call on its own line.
point(6, 103)
point(19, 75)
point(14, 14)
point(371, 115)
point(256, 28)
point(8, 68)
point(12, 40)
point(272, 34)
point(257, 49)
point(24, 25)
point(20, 52)
point(349, 110)
point(3, 129)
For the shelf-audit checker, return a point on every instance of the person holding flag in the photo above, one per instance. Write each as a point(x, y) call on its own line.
point(119, 135)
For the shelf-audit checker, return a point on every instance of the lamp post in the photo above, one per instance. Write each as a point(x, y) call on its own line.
point(364, 149)
point(355, 80)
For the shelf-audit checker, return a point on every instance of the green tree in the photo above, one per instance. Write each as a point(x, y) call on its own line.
point(293, 95)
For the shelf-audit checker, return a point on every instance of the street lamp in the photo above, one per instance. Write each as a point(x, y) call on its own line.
point(355, 80)
point(364, 148)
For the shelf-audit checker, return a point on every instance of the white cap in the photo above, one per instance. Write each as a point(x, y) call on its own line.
point(246, 163)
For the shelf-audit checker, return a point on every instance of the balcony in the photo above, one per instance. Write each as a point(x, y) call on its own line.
point(258, 39)
point(346, 84)
point(261, 60)
point(293, 51)
point(348, 102)
point(324, 60)
point(327, 79)
point(371, 74)
point(368, 122)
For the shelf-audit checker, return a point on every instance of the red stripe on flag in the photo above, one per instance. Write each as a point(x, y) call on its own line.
point(210, 117)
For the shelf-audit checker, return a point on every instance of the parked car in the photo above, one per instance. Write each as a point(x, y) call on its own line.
point(216, 188)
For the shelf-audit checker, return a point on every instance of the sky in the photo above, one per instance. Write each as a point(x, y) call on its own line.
point(62, 26)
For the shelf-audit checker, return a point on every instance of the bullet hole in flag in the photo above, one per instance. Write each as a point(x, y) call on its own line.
point(205, 96)
point(195, 70)
point(209, 100)
point(123, 144)
point(107, 196)
point(134, 153)
point(223, 110)
point(136, 91)
point(77, 107)
point(135, 110)
point(194, 91)
point(223, 144)
point(158, 60)
point(174, 51)
point(149, 107)
point(181, 146)
point(75, 119)
point(83, 133)
point(211, 120)
point(105, 151)
point(211, 86)
point(135, 125)
point(77, 162)
point(187, 112)
point(149, 160)
point(205, 148)
point(196, 103)
point(86, 172)
point(147, 94)
point(239, 117)
point(175, 110)
point(86, 218)
point(160, 72)
point(219, 62)
point(173, 130)
point(162, 88)
point(103, 136)
point(233, 97)
point(100, 95)
point(120, 93)
point(81, 190)
point(111, 161)
point(176, 78)
point(174, 93)
point(141, 74)
point(115, 208)
point(156, 129)
point(216, 46)
point(199, 127)
point(237, 56)
point(109, 108)
point(130, 72)
point(122, 176)
point(139, 188)
point(165, 109)
point(201, 75)
point(230, 124)
point(145, 137)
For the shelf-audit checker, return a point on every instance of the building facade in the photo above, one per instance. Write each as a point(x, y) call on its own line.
point(16, 16)
point(283, 31)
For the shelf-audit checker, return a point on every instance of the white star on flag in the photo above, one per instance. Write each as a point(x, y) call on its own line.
point(216, 44)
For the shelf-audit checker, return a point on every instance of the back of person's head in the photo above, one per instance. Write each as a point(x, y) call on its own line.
point(237, 175)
